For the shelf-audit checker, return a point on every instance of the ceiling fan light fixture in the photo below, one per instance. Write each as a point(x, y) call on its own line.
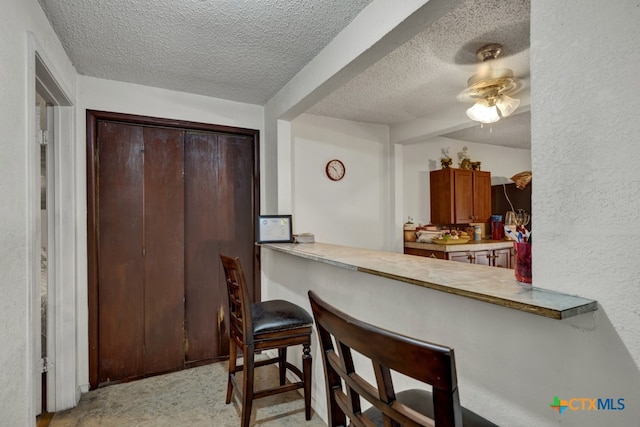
point(489, 89)
point(507, 105)
point(483, 111)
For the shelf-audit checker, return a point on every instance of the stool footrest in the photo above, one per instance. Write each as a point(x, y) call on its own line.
point(279, 389)
point(259, 363)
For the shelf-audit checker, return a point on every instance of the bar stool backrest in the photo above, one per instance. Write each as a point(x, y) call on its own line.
point(387, 351)
point(240, 327)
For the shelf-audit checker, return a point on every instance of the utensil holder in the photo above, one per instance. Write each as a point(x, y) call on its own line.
point(523, 262)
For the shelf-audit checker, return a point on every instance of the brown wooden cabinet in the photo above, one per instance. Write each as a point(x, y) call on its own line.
point(425, 253)
point(460, 196)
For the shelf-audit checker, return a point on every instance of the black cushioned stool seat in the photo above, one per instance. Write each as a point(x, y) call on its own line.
point(265, 325)
point(278, 315)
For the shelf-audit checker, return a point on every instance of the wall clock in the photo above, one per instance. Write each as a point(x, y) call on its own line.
point(335, 170)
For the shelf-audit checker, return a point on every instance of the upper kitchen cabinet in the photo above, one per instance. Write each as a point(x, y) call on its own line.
point(460, 196)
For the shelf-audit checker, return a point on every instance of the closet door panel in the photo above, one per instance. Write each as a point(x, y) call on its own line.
point(164, 199)
point(163, 249)
point(235, 198)
point(202, 261)
point(121, 268)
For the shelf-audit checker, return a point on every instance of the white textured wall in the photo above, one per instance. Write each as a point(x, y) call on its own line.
point(421, 158)
point(18, 17)
point(354, 210)
point(585, 152)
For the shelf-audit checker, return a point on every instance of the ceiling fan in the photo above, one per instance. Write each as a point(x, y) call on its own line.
point(489, 88)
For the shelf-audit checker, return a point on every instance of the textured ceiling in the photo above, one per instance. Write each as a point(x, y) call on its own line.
point(231, 49)
point(424, 76)
point(247, 50)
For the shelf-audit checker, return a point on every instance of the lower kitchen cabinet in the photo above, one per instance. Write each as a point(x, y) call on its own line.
point(426, 253)
point(495, 258)
point(503, 258)
point(467, 256)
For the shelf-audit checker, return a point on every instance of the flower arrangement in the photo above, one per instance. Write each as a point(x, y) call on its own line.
point(464, 160)
point(446, 160)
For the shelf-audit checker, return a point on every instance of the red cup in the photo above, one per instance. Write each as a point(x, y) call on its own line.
point(497, 230)
point(523, 261)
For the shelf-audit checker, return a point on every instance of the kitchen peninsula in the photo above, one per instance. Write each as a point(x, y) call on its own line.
point(498, 328)
point(496, 286)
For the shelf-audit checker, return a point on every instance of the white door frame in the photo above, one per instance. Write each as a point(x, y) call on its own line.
point(62, 390)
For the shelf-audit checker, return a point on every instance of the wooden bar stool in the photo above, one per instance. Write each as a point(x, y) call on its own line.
point(387, 351)
point(265, 325)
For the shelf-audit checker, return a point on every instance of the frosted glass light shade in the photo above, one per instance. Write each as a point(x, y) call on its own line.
point(507, 105)
point(483, 113)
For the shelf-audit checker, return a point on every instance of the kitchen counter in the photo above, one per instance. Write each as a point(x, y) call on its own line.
point(472, 245)
point(489, 284)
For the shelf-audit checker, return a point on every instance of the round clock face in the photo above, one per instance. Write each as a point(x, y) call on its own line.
point(335, 170)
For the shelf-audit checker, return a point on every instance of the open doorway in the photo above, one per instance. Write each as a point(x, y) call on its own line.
point(52, 230)
point(44, 140)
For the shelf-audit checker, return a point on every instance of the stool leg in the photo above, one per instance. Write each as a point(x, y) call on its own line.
point(282, 364)
point(247, 384)
point(306, 373)
point(233, 354)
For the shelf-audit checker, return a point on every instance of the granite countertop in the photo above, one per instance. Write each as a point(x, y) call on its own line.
point(483, 283)
point(472, 245)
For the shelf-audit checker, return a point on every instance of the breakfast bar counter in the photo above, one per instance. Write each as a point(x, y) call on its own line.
point(488, 284)
point(510, 340)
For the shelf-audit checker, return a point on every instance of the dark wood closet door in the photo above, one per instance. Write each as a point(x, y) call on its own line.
point(164, 199)
point(219, 210)
point(121, 266)
point(141, 247)
point(238, 198)
point(163, 250)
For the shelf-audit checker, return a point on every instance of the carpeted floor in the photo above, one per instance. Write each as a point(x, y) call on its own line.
point(193, 397)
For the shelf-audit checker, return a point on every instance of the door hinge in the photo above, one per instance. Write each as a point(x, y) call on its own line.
point(44, 137)
point(46, 364)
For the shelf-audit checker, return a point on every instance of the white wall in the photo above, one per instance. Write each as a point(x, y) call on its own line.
point(585, 155)
point(421, 158)
point(17, 219)
point(354, 210)
point(108, 95)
